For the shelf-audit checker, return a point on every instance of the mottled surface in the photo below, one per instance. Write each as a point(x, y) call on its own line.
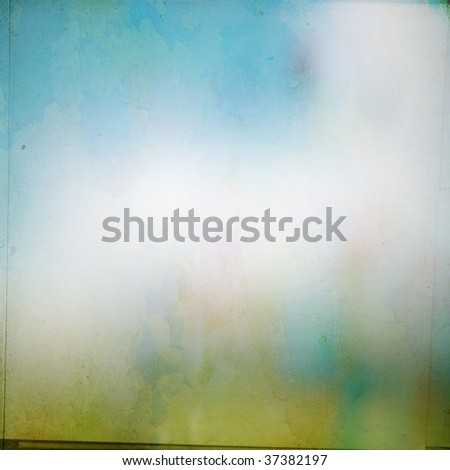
point(4, 92)
point(438, 431)
point(228, 107)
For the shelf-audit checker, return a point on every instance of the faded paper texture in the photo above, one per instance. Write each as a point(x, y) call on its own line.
point(4, 93)
point(438, 432)
point(228, 108)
